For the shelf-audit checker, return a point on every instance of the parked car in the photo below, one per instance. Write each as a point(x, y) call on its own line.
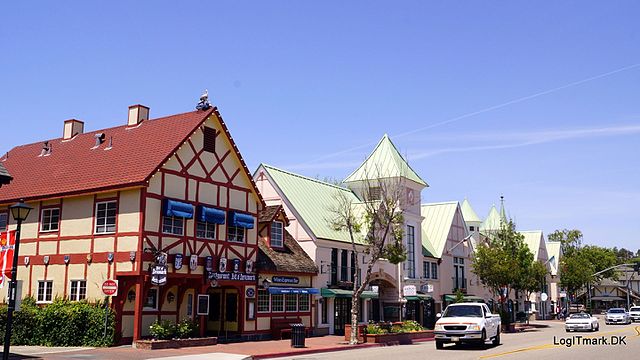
point(581, 321)
point(634, 313)
point(467, 323)
point(617, 316)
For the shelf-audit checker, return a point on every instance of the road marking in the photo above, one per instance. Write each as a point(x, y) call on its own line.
point(550, 346)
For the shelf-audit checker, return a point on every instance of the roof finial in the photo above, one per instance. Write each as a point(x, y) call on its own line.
point(204, 103)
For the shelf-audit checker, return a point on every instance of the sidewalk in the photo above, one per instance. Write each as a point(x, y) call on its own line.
point(237, 351)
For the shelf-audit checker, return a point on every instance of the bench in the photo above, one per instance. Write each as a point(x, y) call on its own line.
point(282, 327)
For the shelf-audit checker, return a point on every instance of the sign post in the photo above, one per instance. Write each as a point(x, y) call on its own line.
point(109, 289)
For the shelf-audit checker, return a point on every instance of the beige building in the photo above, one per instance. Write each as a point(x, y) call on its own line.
point(130, 203)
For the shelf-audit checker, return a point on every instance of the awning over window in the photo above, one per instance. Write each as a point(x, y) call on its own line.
point(210, 215)
point(178, 209)
point(290, 290)
point(340, 293)
point(418, 297)
point(241, 220)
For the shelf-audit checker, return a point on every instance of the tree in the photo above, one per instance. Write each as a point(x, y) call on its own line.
point(505, 261)
point(623, 255)
point(379, 216)
point(569, 239)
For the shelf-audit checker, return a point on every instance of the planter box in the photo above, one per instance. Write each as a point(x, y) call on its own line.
point(174, 344)
point(361, 333)
point(511, 328)
point(399, 338)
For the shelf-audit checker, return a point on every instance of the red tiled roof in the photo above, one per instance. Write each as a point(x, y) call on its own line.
point(73, 167)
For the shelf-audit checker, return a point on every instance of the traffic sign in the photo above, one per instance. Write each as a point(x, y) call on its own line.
point(110, 287)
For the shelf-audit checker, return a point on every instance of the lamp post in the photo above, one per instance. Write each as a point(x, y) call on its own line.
point(19, 211)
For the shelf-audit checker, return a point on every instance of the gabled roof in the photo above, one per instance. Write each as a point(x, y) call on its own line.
point(553, 249)
point(5, 177)
point(533, 239)
point(493, 220)
point(291, 259)
point(75, 166)
point(312, 199)
point(436, 225)
point(468, 213)
point(269, 214)
point(385, 162)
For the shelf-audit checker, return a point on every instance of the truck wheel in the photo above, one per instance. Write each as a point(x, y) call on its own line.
point(439, 344)
point(496, 339)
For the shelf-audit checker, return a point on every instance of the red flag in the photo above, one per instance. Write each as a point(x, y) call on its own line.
point(6, 255)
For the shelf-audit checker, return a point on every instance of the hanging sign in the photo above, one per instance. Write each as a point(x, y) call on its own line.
point(177, 262)
point(159, 275)
point(236, 265)
point(208, 263)
point(193, 262)
point(248, 266)
point(223, 265)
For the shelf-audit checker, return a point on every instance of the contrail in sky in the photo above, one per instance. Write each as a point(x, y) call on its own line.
point(481, 111)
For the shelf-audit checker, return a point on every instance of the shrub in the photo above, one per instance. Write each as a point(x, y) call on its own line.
point(162, 330)
point(187, 329)
point(410, 326)
point(373, 328)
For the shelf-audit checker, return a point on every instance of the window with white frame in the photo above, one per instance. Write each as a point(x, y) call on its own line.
point(4, 221)
point(411, 253)
point(291, 302)
point(263, 300)
point(50, 219)
point(106, 217)
point(206, 230)
point(277, 234)
point(173, 225)
point(235, 233)
point(78, 290)
point(303, 302)
point(151, 301)
point(45, 291)
point(277, 303)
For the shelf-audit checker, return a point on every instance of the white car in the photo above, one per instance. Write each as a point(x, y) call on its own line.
point(581, 321)
point(617, 316)
point(467, 323)
point(634, 313)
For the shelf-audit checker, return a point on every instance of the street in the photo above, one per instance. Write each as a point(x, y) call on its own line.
point(540, 344)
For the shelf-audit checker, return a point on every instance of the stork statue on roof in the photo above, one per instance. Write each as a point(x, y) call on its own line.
point(204, 103)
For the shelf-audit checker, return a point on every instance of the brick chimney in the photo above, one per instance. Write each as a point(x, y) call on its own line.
point(137, 114)
point(72, 127)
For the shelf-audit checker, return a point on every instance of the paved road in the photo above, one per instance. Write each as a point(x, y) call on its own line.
point(540, 344)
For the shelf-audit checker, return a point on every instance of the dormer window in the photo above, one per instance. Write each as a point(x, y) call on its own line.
point(277, 234)
point(472, 228)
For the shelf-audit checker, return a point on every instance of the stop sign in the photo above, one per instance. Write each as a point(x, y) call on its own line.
point(110, 287)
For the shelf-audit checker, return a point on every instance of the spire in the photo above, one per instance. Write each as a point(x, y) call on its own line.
point(385, 162)
point(468, 213)
point(503, 214)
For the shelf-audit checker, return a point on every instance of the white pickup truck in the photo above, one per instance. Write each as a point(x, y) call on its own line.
point(467, 323)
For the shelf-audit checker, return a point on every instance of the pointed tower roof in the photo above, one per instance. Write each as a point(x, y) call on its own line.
point(468, 213)
point(503, 214)
point(385, 162)
point(492, 222)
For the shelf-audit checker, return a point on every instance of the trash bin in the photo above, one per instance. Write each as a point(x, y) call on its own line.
point(297, 335)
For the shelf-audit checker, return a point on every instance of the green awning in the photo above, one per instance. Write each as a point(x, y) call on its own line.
point(340, 293)
point(468, 298)
point(418, 297)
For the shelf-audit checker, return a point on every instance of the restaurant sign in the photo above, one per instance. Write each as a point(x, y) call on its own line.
point(231, 276)
point(285, 280)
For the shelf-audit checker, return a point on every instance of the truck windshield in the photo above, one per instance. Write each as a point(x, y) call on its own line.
point(463, 311)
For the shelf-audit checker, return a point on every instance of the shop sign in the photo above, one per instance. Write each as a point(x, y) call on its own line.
point(285, 280)
point(409, 290)
point(177, 262)
point(232, 276)
point(159, 275)
point(250, 292)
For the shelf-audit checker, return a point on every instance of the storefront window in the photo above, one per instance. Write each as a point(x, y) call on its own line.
point(263, 300)
point(303, 302)
point(292, 302)
point(277, 303)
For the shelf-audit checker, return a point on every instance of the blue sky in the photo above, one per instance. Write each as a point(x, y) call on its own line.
point(536, 101)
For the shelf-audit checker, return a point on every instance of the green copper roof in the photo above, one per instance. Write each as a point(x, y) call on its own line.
point(385, 162)
point(553, 249)
point(493, 220)
point(436, 225)
point(468, 213)
point(313, 200)
point(533, 239)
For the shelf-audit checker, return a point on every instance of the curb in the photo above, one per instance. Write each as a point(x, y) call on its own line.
point(329, 349)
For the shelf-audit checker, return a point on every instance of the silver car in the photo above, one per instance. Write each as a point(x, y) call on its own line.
point(617, 316)
point(634, 312)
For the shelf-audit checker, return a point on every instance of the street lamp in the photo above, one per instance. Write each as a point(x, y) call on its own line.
point(19, 211)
